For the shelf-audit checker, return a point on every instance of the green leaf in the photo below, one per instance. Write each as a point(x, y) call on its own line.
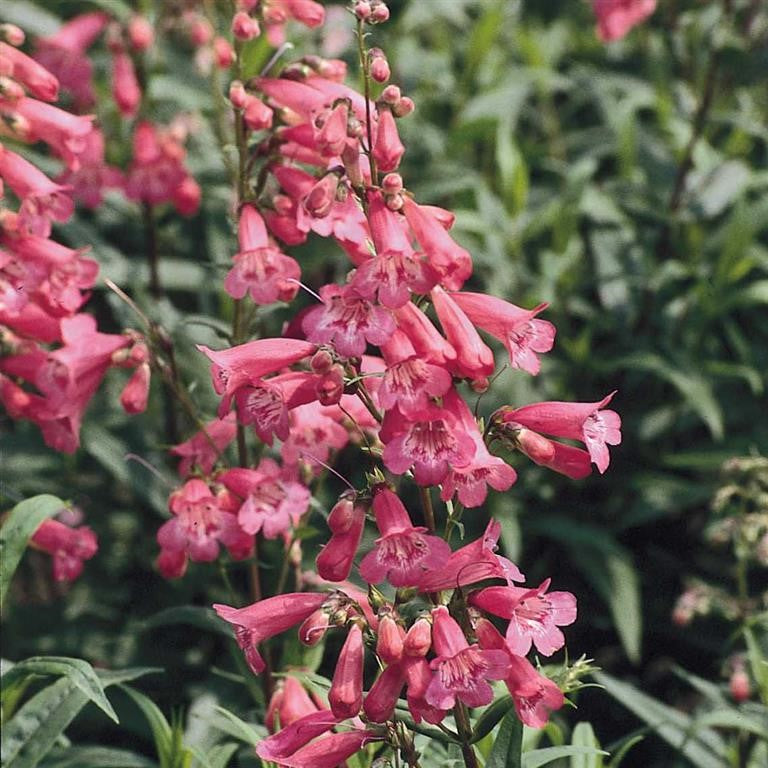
point(160, 727)
point(116, 676)
point(97, 757)
point(221, 754)
point(732, 718)
point(80, 672)
point(620, 753)
point(584, 736)
point(34, 729)
point(23, 520)
point(549, 754)
point(624, 602)
point(490, 718)
point(508, 746)
point(231, 724)
point(704, 748)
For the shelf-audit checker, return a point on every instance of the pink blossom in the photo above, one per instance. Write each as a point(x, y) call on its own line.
point(462, 670)
point(42, 200)
point(389, 640)
point(313, 435)
point(381, 700)
point(346, 521)
point(271, 503)
point(587, 422)
point(93, 176)
point(347, 321)
point(534, 615)
point(474, 562)
point(202, 450)
point(387, 147)
point(403, 553)
point(431, 441)
point(535, 696)
point(136, 392)
point(423, 335)
point(260, 269)
point(292, 736)
point(329, 751)
point(451, 260)
point(267, 618)
point(125, 84)
point(70, 547)
point(616, 17)
point(516, 328)
point(35, 78)
point(201, 520)
point(411, 383)
point(346, 693)
point(290, 702)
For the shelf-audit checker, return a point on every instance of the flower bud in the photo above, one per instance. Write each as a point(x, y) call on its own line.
point(404, 107)
point(319, 202)
point(379, 13)
point(140, 33)
point(200, 31)
point(346, 694)
point(392, 183)
point(186, 197)
point(362, 10)
point(223, 53)
point(389, 644)
point(739, 684)
point(237, 95)
point(391, 95)
point(136, 392)
point(11, 34)
point(418, 639)
point(379, 66)
point(314, 627)
point(342, 516)
point(395, 202)
point(536, 447)
point(321, 361)
point(331, 387)
point(257, 115)
point(480, 385)
point(245, 27)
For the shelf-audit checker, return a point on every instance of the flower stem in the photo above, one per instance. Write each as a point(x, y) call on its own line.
point(464, 728)
point(365, 69)
point(429, 511)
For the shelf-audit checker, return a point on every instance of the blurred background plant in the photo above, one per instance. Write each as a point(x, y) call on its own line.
point(625, 184)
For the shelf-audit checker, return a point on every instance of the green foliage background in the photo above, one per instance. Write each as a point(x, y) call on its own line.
point(625, 184)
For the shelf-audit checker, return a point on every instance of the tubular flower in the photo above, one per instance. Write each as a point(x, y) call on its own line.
point(70, 547)
point(534, 615)
point(616, 17)
point(461, 670)
point(290, 702)
point(588, 422)
point(267, 618)
point(203, 448)
point(346, 693)
point(346, 521)
point(518, 329)
point(403, 553)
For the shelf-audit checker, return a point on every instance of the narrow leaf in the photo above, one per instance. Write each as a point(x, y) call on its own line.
point(624, 601)
point(549, 754)
point(23, 520)
point(97, 757)
point(230, 723)
point(584, 736)
point(490, 718)
point(507, 749)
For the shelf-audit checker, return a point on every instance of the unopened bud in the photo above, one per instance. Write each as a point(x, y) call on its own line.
point(739, 685)
point(418, 639)
point(404, 107)
point(237, 95)
point(245, 27)
point(379, 13)
point(140, 33)
point(391, 95)
point(257, 115)
point(389, 644)
point(395, 202)
point(536, 447)
point(223, 52)
point(362, 10)
point(314, 627)
point(480, 385)
point(342, 516)
point(379, 66)
point(392, 183)
point(331, 388)
point(319, 202)
point(200, 31)
point(321, 361)
point(11, 34)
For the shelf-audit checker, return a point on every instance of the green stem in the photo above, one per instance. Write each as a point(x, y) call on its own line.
point(464, 728)
point(429, 511)
point(365, 69)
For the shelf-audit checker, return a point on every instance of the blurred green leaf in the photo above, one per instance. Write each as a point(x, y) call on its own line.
point(584, 736)
point(506, 750)
point(490, 718)
point(547, 755)
point(96, 757)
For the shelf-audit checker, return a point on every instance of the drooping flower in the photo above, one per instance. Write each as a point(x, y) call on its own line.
point(588, 422)
point(346, 693)
point(69, 547)
point(289, 702)
point(203, 448)
point(293, 736)
point(267, 618)
point(403, 553)
point(462, 670)
point(346, 521)
point(534, 615)
point(616, 17)
point(518, 329)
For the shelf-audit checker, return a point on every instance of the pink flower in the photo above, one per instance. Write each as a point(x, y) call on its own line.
point(423, 335)
point(94, 176)
point(587, 422)
point(535, 696)
point(387, 147)
point(36, 78)
point(431, 441)
point(516, 328)
point(395, 269)
point(381, 700)
point(474, 359)
point(470, 482)
point(269, 617)
point(261, 270)
point(346, 521)
point(42, 200)
point(70, 547)
point(347, 321)
point(403, 553)
point(616, 17)
point(534, 615)
point(462, 670)
point(346, 693)
point(201, 520)
point(312, 437)
point(451, 260)
point(125, 84)
point(292, 736)
point(157, 168)
point(474, 562)
point(290, 702)
point(203, 448)
point(136, 392)
point(411, 383)
point(271, 503)
point(329, 751)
